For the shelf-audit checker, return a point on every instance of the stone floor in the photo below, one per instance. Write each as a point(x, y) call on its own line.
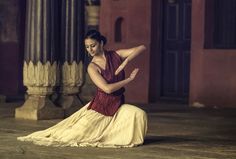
point(175, 132)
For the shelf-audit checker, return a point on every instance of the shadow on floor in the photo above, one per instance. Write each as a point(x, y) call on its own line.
point(153, 140)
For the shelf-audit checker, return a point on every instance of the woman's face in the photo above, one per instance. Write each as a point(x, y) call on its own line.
point(92, 46)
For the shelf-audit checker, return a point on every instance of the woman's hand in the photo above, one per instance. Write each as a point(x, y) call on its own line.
point(122, 66)
point(133, 74)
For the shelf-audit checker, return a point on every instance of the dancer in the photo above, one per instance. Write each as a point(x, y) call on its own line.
point(106, 121)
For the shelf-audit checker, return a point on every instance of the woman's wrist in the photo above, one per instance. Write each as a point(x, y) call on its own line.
point(127, 60)
point(129, 79)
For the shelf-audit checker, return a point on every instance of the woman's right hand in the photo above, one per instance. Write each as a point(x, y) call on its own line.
point(121, 67)
point(133, 74)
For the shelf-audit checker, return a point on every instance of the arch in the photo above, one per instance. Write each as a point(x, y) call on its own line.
point(118, 29)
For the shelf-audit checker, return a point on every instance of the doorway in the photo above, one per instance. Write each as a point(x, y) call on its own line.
point(175, 58)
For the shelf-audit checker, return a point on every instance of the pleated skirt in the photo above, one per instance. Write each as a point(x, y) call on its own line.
point(127, 128)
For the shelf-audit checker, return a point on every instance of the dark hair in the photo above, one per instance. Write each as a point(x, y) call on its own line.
point(96, 35)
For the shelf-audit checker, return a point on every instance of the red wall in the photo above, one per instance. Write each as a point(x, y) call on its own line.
point(10, 69)
point(213, 72)
point(12, 47)
point(136, 31)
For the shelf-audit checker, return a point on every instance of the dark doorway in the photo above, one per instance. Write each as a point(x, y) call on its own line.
point(175, 58)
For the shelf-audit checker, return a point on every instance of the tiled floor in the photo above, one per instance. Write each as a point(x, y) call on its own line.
point(173, 133)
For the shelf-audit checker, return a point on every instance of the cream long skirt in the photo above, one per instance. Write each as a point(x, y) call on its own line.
point(127, 128)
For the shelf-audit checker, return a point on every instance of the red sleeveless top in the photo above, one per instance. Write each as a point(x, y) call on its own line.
point(108, 104)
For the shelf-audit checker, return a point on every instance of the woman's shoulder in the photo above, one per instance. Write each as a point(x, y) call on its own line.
point(113, 52)
point(93, 66)
point(119, 51)
point(110, 51)
point(115, 55)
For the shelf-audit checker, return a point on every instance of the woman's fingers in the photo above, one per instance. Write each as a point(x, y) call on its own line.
point(134, 73)
point(118, 70)
point(121, 67)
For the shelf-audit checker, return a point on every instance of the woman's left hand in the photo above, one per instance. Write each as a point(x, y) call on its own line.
point(122, 66)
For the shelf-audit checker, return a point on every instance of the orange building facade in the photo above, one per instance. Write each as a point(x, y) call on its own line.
point(190, 56)
point(177, 65)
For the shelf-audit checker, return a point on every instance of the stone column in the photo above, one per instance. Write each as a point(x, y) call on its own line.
point(40, 63)
point(72, 29)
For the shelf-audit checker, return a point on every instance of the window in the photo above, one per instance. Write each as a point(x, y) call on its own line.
point(118, 29)
point(220, 24)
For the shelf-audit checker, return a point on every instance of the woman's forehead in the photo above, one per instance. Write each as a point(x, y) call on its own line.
point(90, 41)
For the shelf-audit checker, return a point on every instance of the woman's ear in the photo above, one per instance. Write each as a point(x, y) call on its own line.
point(101, 45)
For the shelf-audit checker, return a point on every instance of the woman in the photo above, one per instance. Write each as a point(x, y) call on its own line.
point(105, 121)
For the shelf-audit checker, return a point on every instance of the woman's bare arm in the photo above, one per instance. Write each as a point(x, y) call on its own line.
point(128, 55)
point(100, 82)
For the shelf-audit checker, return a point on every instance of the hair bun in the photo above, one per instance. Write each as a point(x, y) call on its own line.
point(94, 34)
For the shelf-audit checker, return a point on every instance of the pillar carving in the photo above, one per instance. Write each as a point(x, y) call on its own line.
point(40, 61)
point(40, 78)
point(71, 81)
point(72, 29)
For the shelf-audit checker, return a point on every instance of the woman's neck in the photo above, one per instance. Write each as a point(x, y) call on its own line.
point(100, 55)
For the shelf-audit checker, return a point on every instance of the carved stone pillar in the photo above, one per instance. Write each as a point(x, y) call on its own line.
point(72, 30)
point(40, 65)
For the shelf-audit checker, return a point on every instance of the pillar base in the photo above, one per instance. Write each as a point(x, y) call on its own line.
point(70, 104)
point(39, 108)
